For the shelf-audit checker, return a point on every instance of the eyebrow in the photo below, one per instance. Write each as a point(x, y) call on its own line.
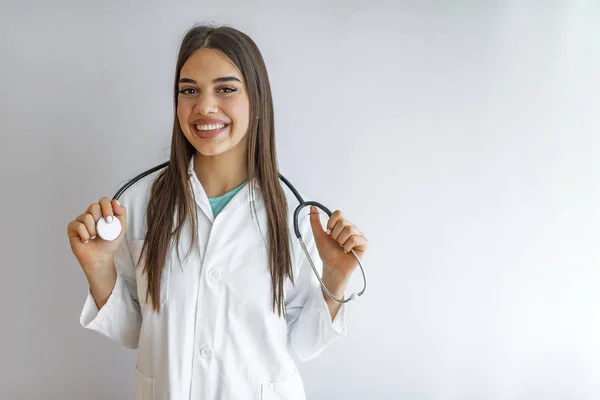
point(218, 80)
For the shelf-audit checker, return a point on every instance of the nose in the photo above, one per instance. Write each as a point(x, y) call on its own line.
point(206, 104)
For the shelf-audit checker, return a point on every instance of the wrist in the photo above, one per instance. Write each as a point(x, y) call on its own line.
point(101, 283)
point(335, 283)
point(100, 273)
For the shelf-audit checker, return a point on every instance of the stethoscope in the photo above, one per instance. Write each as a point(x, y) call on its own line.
point(111, 231)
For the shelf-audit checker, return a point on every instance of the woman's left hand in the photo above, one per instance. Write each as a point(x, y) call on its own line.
point(334, 248)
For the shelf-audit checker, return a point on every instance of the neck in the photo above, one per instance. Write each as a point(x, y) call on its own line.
point(220, 174)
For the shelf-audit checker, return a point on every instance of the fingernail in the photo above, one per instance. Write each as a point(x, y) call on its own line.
point(93, 237)
point(86, 241)
point(329, 231)
point(109, 219)
point(118, 202)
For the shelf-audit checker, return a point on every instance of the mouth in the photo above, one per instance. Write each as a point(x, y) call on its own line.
point(209, 131)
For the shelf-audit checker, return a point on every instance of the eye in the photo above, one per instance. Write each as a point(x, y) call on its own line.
point(187, 91)
point(227, 89)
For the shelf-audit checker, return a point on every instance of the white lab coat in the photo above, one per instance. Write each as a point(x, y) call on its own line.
point(216, 336)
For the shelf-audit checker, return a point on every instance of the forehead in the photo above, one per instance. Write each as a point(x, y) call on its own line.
point(208, 64)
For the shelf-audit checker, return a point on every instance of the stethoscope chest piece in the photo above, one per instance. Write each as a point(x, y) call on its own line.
point(108, 231)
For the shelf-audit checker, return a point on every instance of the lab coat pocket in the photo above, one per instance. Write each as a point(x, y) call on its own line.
point(142, 278)
point(291, 388)
point(143, 386)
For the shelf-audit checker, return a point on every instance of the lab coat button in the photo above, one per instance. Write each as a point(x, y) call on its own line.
point(213, 274)
point(206, 352)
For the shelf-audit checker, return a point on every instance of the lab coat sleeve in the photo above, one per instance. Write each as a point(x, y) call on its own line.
point(310, 328)
point(120, 318)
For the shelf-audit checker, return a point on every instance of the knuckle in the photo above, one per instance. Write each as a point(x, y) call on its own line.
point(89, 218)
point(104, 203)
point(82, 231)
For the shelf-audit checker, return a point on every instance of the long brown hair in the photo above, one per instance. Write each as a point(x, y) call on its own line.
point(171, 191)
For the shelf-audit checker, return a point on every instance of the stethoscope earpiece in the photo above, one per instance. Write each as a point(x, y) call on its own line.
point(108, 231)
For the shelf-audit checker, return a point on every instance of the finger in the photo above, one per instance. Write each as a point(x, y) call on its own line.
point(95, 210)
point(78, 229)
point(90, 223)
point(107, 210)
point(333, 220)
point(315, 222)
point(339, 227)
point(358, 243)
point(348, 231)
point(119, 211)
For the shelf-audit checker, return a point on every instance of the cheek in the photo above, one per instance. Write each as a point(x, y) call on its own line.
point(239, 110)
point(183, 113)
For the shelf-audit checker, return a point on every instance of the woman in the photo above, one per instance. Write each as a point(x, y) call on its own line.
point(205, 280)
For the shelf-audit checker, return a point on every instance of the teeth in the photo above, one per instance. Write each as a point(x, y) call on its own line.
point(209, 127)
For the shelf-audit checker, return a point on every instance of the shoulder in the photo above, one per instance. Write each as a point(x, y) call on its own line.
point(135, 200)
point(291, 196)
point(139, 192)
point(292, 204)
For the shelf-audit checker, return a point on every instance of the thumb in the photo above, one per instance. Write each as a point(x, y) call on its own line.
point(119, 211)
point(315, 223)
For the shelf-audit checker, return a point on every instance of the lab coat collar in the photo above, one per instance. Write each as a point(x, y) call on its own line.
point(242, 197)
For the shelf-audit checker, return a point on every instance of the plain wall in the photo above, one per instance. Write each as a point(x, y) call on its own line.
point(461, 137)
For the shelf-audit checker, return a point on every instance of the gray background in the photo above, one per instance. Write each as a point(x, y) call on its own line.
point(461, 137)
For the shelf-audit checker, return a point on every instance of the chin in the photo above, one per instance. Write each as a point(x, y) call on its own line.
point(214, 147)
point(211, 151)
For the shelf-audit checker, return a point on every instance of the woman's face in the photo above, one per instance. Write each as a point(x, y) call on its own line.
point(213, 105)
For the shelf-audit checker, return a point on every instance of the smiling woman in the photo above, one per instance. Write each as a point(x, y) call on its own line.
point(213, 108)
point(224, 321)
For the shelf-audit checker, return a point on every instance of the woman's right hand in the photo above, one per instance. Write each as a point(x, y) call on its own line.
point(91, 251)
